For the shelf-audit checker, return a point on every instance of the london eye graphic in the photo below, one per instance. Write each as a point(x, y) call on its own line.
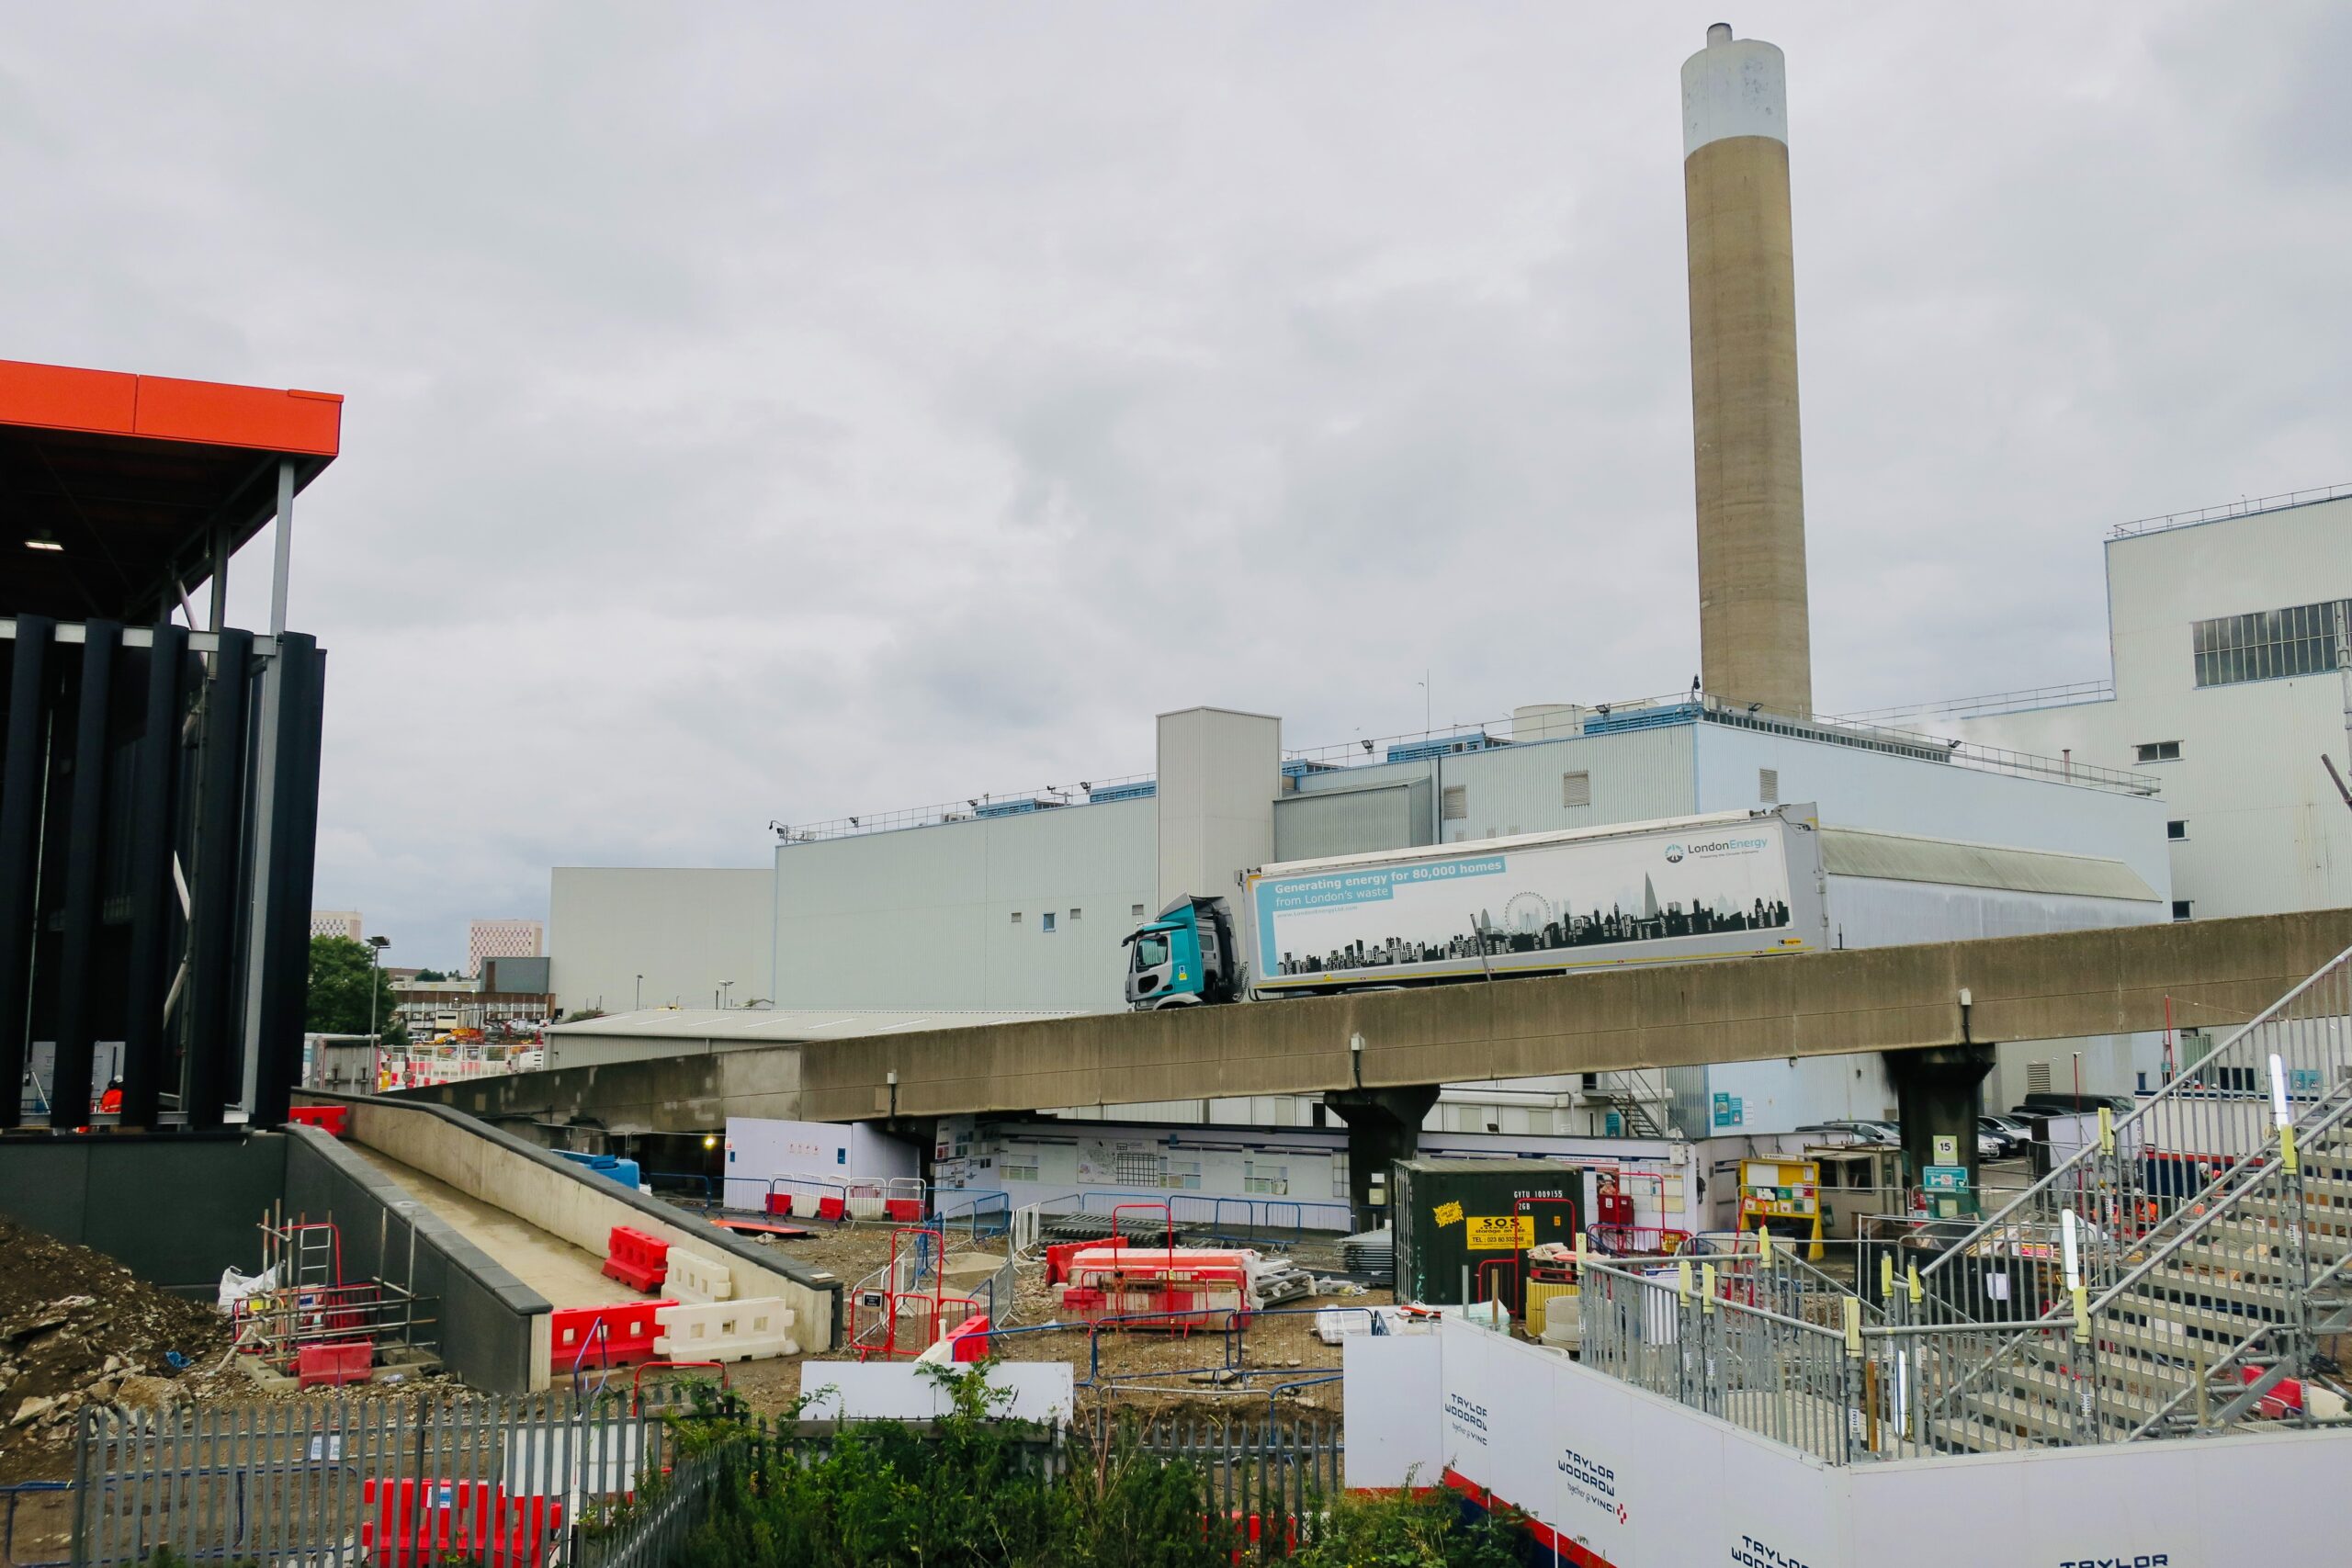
point(1527, 914)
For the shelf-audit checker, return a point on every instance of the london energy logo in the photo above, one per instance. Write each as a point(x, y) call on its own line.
point(1674, 852)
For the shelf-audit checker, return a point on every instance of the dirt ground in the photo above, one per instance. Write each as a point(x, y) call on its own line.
point(1142, 1369)
point(76, 1329)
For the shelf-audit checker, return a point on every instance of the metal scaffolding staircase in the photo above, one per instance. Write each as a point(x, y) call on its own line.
point(2179, 1275)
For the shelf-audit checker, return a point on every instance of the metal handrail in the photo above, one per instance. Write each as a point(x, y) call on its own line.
point(2241, 507)
point(2090, 1151)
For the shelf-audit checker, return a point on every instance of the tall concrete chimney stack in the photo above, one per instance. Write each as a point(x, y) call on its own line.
point(1755, 642)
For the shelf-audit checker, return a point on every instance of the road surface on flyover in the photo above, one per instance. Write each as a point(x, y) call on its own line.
point(2060, 986)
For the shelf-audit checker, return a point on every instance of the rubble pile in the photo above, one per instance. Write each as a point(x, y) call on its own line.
point(76, 1329)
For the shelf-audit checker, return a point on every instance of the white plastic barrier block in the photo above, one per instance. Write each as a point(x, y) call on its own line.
point(747, 1330)
point(694, 1278)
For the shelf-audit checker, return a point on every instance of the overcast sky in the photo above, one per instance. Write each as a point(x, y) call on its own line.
point(790, 410)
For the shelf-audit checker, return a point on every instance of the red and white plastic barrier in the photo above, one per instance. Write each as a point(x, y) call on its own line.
point(750, 1329)
point(629, 1330)
point(636, 1258)
point(694, 1278)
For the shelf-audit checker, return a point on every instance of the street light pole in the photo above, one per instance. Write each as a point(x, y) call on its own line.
point(640, 994)
point(375, 1039)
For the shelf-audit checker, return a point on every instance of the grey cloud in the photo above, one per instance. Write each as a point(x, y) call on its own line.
point(796, 411)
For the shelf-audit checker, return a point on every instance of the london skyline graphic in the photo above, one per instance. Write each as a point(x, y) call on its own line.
point(1531, 922)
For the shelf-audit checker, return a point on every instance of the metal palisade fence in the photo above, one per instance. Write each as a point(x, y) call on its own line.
point(548, 1480)
point(402, 1480)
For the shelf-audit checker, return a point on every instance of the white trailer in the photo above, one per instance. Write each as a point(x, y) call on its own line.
point(1733, 884)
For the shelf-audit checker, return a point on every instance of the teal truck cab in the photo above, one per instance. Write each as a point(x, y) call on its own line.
point(1186, 956)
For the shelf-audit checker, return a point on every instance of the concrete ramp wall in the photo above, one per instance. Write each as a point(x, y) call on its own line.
point(567, 1201)
point(490, 1327)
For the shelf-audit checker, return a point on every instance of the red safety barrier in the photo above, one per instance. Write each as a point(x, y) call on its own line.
point(906, 1210)
point(332, 1366)
point(832, 1208)
point(416, 1523)
point(1252, 1528)
point(1058, 1255)
point(638, 1260)
point(2285, 1395)
point(332, 1119)
point(780, 1203)
point(969, 1339)
point(629, 1331)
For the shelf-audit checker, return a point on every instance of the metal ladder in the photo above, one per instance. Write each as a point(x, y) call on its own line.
point(2212, 1247)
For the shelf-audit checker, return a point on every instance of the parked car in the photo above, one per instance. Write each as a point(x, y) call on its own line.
point(2068, 1105)
point(1864, 1130)
point(2007, 1136)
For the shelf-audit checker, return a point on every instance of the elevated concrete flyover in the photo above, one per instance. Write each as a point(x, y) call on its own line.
point(1896, 999)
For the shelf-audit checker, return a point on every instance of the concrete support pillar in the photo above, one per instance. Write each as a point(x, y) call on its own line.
point(1940, 1091)
point(1384, 1124)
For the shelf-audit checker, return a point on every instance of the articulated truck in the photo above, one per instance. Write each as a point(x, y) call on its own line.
point(1735, 885)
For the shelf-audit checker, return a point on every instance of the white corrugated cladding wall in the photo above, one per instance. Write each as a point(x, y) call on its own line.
point(923, 918)
point(687, 931)
point(2265, 830)
point(1634, 777)
point(1893, 794)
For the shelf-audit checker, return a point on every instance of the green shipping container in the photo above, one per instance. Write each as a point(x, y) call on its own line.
point(1452, 1215)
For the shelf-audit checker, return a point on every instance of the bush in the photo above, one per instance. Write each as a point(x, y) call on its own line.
point(972, 1493)
point(1411, 1530)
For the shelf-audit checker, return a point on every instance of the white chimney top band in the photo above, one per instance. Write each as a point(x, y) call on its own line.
point(1734, 87)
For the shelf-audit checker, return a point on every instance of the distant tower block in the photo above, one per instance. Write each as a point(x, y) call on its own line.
point(1754, 643)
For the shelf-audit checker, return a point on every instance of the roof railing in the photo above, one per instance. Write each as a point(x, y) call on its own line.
point(2244, 506)
point(2030, 697)
point(989, 804)
point(1859, 732)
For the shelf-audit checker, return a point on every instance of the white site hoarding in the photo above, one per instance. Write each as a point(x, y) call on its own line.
point(1612, 1477)
point(1728, 885)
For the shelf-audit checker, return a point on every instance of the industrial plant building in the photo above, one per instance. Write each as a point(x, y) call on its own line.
point(2188, 785)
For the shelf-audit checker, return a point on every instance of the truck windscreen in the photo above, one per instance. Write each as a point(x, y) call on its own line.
point(1151, 951)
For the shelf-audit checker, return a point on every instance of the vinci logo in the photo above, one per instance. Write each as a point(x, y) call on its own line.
point(1673, 855)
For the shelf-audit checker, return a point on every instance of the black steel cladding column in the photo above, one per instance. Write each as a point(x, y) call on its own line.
point(85, 831)
point(24, 772)
point(213, 1024)
point(146, 1047)
point(294, 830)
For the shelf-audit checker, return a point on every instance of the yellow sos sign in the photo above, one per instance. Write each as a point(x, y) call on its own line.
point(1500, 1233)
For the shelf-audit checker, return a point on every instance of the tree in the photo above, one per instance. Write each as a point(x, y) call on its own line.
point(425, 975)
point(343, 973)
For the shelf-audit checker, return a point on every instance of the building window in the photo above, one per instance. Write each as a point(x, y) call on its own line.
point(2267, 645)
point(1074, 914)
point(2180, 908)
point(1457, 803)
point(2176, 831)
point(1026, 1170)
point(1016, 917)
point(1136, 912)
point(1045, 922)
point(1575, 789)
point(1273, 1180)
point(2158, 751)
point(1768, 785)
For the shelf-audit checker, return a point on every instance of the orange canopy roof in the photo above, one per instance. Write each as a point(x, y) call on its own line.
point(132, 478)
